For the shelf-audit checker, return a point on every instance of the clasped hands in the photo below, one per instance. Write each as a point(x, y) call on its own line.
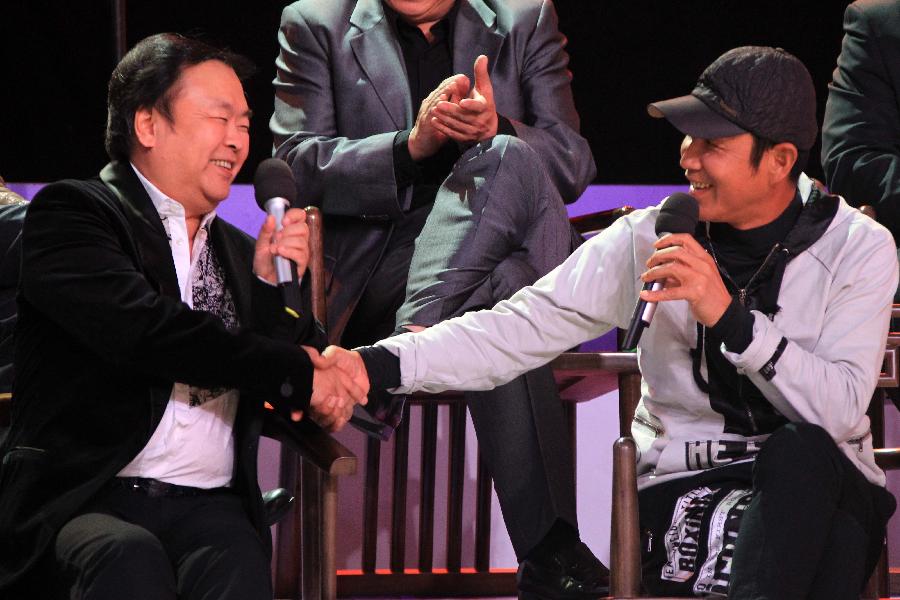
point(340, 382)
point(453, 111)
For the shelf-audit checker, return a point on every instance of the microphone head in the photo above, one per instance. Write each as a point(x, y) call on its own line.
point(679, 213)
point(274, 179)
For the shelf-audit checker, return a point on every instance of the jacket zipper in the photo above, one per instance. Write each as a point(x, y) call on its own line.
point(742, 298)
point(858, 441)
point(657, 430)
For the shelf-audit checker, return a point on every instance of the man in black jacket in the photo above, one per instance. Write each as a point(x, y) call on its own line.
point(149, 336)
point(861, 129)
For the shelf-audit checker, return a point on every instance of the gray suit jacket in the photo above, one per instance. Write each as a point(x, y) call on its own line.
point(341, 95)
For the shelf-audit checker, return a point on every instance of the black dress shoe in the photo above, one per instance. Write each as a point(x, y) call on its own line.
point(573, 573)
point(276, 504)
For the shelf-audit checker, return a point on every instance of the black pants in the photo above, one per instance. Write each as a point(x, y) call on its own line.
point(810, 526)
point(129, 545)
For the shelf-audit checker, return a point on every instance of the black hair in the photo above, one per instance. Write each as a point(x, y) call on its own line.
point(147, 77)
point(761, 145)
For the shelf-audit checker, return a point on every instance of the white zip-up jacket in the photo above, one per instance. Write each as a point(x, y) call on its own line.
point(835, 300)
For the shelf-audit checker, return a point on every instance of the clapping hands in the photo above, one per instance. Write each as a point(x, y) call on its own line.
point(340, 382)
point(473, 118)
point(455, 110)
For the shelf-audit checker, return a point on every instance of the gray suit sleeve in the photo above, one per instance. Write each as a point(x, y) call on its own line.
point(551, 124)
point(344, 176)
point(861, 130)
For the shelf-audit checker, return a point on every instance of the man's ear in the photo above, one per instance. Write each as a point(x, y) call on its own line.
point(145, 121)
point(782, 157)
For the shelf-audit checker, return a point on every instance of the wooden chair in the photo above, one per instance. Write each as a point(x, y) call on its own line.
point(888, 459)
point(422, 577)
point(625, 553)
point(310, 462)
point(580, 377)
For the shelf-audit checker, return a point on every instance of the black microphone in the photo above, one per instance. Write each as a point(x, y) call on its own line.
point(275, 191)
point(679, 213)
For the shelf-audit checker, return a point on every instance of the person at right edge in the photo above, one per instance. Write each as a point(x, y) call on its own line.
point(861, 129)
point(756, 471)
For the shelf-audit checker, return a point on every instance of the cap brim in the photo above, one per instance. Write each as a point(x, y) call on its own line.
point(692, 117)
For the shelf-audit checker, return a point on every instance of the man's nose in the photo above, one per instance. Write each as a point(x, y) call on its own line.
point(689, 154)
point(236, 138)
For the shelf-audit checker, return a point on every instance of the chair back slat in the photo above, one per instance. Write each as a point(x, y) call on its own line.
point(455, 486)
point(398, 510)
point(483, 489)
point(370, 504)
point(429, 462)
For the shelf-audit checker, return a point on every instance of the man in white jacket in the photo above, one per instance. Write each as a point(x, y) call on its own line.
point(757, 473)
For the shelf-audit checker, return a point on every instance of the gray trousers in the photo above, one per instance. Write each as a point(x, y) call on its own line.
point(498, 224)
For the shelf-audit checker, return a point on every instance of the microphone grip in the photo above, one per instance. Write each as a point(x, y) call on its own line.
point(641, 317)
point(283, 269)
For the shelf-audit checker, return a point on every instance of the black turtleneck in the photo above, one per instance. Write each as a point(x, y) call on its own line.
point(739, 254)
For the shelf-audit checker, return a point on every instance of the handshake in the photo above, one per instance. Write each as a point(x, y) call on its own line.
point(340, 382)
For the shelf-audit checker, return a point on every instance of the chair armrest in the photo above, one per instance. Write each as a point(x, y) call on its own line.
point(5, 409)
point(589, 363)
point(887, 458)
point(312, 443)
point(593, 222)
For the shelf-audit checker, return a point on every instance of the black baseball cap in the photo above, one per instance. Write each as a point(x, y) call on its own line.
point(752, 89)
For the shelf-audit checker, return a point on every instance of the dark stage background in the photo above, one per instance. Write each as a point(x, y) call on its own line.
point(57, 56)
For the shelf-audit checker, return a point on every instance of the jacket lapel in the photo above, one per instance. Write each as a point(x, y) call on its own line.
point(149, 234)
point(475, 33)
point(378, 53)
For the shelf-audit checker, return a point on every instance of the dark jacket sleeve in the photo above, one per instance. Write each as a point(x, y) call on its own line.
point(82, 270)
point(861, 129)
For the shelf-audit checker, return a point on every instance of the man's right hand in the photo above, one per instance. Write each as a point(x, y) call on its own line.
point(424, 139)
point(337, 388)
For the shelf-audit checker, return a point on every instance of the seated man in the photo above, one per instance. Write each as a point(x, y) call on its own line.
point(756, 468)
point(479, 175)
point(149, 336)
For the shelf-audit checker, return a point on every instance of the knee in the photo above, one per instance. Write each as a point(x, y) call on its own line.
point(133, 551)
point(95, 544)
point(798, 449)
point(796, 437)
point(510, 276)
point(505, 149)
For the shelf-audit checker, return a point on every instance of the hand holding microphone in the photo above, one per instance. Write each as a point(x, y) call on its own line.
point(284, 236)
point(679, 213)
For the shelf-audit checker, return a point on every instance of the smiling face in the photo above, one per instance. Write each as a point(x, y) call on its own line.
point(417, 12)
point(194, 156)
point(728, 188)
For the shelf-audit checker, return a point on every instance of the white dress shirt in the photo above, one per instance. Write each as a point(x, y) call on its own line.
point(193, 444)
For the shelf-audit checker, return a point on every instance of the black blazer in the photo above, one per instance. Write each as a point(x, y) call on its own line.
point(861, 129)
point(102, 336)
